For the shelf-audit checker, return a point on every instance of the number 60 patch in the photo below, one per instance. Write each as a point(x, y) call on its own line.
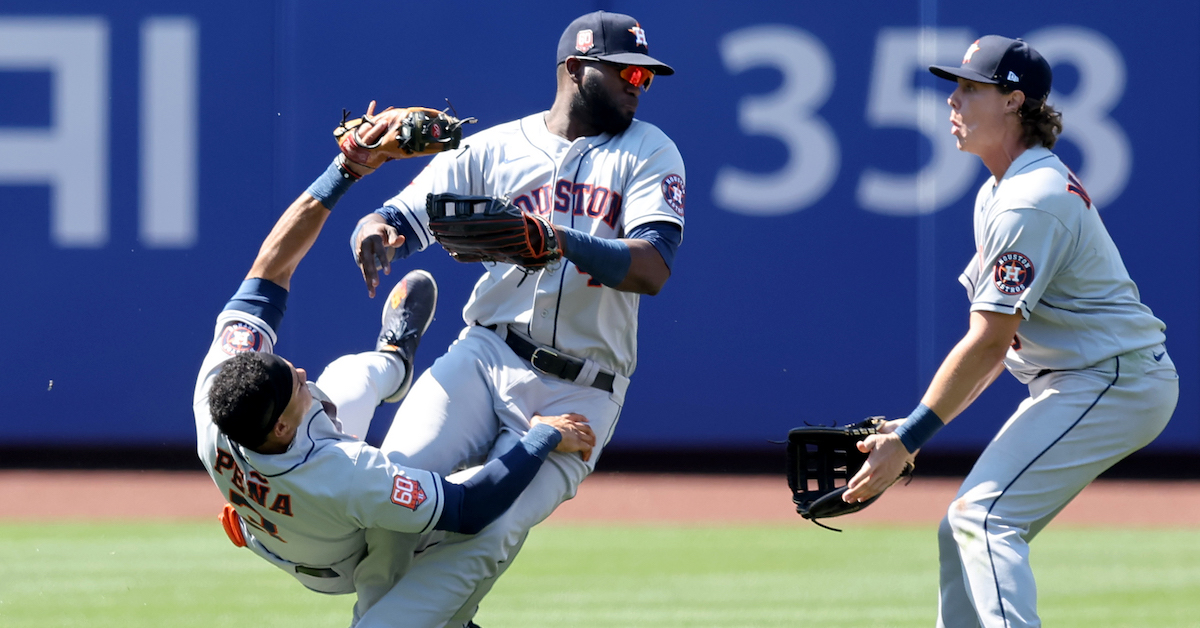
point(407, 492)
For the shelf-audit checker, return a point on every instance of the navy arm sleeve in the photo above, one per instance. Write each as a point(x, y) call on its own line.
point(665, 236)
point(265, 299)
point(475, 503)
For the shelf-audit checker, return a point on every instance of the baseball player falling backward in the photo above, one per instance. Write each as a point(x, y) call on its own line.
point(1051, 301)
point(304, 494)
point(613, 188)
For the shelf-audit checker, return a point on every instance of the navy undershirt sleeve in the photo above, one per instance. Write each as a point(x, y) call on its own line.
point(665, 236)
point(264, 299)
point(471, 506)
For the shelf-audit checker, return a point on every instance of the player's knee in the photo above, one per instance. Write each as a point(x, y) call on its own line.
point(963, 521)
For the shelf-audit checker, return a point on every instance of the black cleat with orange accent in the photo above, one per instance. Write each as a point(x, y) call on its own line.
point(406, 315)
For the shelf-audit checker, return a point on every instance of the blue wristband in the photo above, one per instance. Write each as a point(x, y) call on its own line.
point(540, 440)
point(921, 425)
point(605, 260)
point(330, 186)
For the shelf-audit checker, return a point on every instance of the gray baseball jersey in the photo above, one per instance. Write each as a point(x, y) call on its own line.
point(480, 392)
point(306, 510)
point(1044, 252)
point(604, 186)
point(1101, 384)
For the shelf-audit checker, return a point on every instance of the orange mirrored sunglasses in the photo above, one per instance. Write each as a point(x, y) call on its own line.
point(635, 74)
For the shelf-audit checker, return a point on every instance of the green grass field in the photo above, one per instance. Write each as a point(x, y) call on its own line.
point(186, 574)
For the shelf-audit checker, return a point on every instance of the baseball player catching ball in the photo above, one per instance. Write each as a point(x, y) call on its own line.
point(303, 493)
point(609, 190)
point(1051, 301)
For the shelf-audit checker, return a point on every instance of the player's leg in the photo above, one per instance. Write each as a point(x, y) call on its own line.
point(357, 384)
point(442, 582)
point(955, 607)
point(448, 580)
point(448, 421)
point(389, 555)
point(1075, 425)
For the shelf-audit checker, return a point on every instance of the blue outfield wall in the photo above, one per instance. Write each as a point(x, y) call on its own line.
point(146, 148)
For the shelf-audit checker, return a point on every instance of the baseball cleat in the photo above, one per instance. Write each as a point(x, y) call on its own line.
point(406, 315)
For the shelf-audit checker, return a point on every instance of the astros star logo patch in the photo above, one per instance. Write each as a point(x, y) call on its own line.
point(1013, 273)
point(674, 192)
point(640, 34)
point(239, 338)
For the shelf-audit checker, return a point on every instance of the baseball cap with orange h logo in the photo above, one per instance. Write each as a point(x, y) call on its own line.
point(997, 60)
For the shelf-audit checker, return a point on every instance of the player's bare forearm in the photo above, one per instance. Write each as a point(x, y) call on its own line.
point(648, 273)
point(972, 365)
point(289, 241)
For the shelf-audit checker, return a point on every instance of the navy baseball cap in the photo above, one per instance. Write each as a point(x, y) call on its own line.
point(997, 60)
point(612, 37)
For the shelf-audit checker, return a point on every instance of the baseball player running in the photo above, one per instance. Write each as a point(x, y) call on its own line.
point(304, 494)
point(612, 187)
point(1051, 301)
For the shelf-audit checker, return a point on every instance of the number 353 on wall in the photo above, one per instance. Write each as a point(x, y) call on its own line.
point(790, 115)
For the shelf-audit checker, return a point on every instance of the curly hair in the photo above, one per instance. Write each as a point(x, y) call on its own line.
point(1040, 123)
point(242, 399)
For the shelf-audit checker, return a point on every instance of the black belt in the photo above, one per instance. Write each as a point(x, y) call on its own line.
point(554, 363)
point(317, 572)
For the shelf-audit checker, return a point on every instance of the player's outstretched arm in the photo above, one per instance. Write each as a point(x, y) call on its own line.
point(289, 241)
point(479, 500)
point(971, 366)
point(296, 230)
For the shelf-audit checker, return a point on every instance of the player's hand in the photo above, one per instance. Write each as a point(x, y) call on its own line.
point(374, 246)
point(886, 460)
point(577, 435)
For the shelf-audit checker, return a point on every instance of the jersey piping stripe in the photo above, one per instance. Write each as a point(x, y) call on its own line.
point(534, 144)
point(415, 222)
point(562, 278)
point(967, 278)
point(312, 446)
point(439, 494)
point(987, 537)
point(1055, 307)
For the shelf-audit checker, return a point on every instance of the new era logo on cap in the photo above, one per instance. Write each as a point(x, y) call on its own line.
point(997, 60)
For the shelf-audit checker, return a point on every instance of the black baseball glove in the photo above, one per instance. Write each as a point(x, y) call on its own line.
point(487, 229)
point(821, 460)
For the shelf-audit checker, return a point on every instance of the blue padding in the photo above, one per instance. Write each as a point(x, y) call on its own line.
point(262, 298)
point(921, 425)
point(665, 236)
point(605, 260)
point(331, 185)
point(475, 503)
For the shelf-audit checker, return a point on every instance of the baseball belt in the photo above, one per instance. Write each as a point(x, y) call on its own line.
point(551, 362)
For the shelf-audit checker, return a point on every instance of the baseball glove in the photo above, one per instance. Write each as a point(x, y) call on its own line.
point(397, 134)
point(820, 462)
point(487, 229)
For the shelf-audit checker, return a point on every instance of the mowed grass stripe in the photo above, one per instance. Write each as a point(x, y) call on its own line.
point(187, 574)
